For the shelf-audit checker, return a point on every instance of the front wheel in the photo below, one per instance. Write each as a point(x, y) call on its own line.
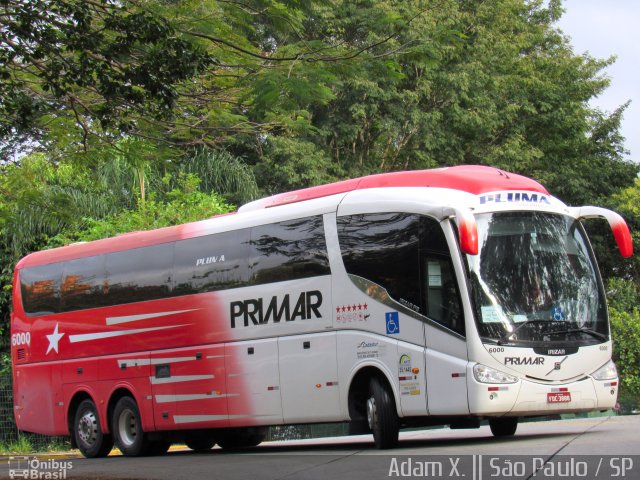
point(381, 415)
point(91, 441)
point(503, 427)
point(127, 430)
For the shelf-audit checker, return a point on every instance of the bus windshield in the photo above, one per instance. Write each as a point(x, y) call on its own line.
point(534, 281)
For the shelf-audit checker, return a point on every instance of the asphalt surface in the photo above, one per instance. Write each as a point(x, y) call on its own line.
point(604, 447)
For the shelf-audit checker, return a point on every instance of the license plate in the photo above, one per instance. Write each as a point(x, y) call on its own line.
point(560, 397)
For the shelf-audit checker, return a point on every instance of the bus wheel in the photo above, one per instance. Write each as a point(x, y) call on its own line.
point(381, 415)
point(503, 427)
point(200, 441)
point(127, 430)
point(88, 435)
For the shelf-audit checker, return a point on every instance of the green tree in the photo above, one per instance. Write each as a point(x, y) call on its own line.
point(624, 308)
point(446, 83)
point(43, 204)
point(177, 73)
point(102, 64)
point(627, 203)
point(184, 203)
point(37, 201)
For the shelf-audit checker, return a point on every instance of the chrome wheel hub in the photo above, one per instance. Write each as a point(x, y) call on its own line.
point(372, 413)
point(88, 428)
point(127, 428)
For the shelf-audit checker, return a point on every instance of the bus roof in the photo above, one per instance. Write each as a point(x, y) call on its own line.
point(474, 179)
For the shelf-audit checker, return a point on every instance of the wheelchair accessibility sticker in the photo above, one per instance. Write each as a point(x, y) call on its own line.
point(393, 323)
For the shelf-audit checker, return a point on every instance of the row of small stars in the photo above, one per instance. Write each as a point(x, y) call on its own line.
point(349, 308)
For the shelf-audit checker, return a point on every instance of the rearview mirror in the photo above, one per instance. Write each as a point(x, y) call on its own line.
point(467, 231)
point(618, 226)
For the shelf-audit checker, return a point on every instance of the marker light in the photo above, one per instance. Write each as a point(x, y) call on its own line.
point(484, 374)
point(607, 372)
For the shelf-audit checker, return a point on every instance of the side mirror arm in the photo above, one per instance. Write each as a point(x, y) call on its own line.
point(618, 226)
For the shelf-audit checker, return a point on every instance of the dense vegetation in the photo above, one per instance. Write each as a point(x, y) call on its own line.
point(119, 115)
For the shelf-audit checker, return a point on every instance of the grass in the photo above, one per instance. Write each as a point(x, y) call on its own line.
point(21, 446)
point(25, 446)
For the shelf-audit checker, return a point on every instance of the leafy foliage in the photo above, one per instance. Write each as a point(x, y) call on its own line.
point(101, 62)
point(185, 203)
point(44, 205)
point(625, 328)
point(624, 309)
point(446, 83)
point(627, 203)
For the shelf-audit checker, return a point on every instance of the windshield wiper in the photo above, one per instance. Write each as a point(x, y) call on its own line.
point(588, 331)
point(506, 336)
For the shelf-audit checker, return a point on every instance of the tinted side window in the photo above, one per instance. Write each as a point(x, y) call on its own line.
point(442, 299)
point(40, 288)
point(384, 248)
point(139, 274)
point(213, 262)
point(83, 284)
point(289, 250)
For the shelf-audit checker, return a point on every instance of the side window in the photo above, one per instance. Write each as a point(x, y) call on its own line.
point(442, 299)
point(385, 249)
point(213, 262)
point(140, 274)
point(289, 250)
point(40, 289)
point(83, 284)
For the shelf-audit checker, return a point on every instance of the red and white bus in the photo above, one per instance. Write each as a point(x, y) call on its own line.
point(436, 297)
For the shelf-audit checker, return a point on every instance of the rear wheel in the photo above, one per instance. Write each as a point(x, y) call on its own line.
point(503, 427)
point(382, 417)
point(126, 427)
point(89, 438)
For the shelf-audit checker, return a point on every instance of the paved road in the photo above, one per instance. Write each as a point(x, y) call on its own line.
point(553, 449)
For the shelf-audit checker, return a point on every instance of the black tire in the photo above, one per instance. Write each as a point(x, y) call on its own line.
point(126, 428)
point(382, 417)
point(503, 427)
point(88, 435)
point(242, 437)
point(200, 441)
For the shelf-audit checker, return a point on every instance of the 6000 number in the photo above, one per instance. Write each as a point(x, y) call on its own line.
point(18, 339)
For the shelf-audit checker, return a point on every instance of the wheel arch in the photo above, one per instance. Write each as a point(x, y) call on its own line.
point(359, 389)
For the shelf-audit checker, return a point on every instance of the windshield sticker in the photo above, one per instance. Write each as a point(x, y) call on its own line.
point(558, 314)
point(519, 318)
point(492, 314)
point(435, 274)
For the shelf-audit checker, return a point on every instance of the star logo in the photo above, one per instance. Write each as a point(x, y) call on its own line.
point(54, 338)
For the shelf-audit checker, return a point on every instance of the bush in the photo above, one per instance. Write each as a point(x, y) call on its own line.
point(625, 329)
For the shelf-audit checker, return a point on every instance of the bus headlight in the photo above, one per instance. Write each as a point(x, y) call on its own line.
point(607, 372)
point(484, 374)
